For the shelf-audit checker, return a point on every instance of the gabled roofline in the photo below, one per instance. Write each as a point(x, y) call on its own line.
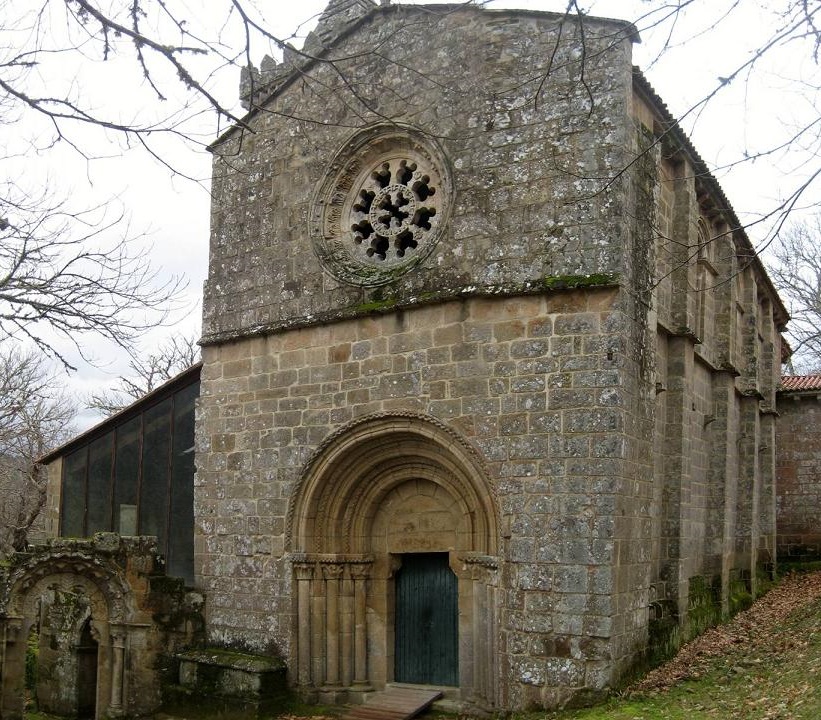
point(672, 130)
point(186, 377)
point(309, 60)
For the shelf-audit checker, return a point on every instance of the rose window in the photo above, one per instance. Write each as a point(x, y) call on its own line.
point(391, 214)
point(379, 211)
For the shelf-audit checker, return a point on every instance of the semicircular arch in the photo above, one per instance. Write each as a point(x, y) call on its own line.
point(346, 480)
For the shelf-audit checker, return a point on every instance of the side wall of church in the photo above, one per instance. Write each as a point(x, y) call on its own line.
point(717, 363)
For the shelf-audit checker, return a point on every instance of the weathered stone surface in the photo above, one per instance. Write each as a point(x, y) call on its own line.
point(567, 393)
point(798, 468)
point(105, 619)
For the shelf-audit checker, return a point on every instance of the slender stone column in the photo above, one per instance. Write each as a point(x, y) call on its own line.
point(482, 571)
point(359, 573)
point(347, 601)
point(491, 673)
point(12, 679)
point(115, 705)
point(317, 625)
point(304, 574)
point(481, 657)
point(332, 573)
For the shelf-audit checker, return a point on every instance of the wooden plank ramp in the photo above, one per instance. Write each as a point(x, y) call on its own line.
point(394, 703)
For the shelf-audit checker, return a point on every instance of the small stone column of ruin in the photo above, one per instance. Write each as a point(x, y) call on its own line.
point(115, 706)
point(12, 667)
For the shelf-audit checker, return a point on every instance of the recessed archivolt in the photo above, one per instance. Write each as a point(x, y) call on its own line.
point(412, 469)
point(352, 473)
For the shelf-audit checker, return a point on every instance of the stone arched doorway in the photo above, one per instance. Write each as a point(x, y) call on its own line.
point(80, 608)
point(387, 491)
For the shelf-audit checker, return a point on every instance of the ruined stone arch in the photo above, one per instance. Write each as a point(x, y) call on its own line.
point(100, 579)
point(100, 597)
point(380, 489)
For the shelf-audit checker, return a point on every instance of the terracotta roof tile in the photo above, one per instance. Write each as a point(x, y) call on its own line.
point(794, 383)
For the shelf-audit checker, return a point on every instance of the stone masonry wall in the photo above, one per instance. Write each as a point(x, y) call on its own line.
point(716, 347)
point(526, 147)
point(799, 477)
point(534, 383)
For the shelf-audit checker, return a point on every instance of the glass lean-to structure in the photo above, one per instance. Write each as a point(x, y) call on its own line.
point(134, 474)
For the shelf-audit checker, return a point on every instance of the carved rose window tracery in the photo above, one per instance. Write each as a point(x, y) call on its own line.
point(380, 209)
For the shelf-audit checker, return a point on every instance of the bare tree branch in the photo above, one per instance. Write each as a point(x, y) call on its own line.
point(148, 372)
point(35, 416)
point(60, 271)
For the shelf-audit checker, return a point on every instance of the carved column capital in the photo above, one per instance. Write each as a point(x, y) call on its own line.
point(14, 626)
point(483, 568)
point(360, 570)
point(304, 570)
point(332, 571)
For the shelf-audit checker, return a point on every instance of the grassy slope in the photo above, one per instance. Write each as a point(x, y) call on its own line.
point(765, 663)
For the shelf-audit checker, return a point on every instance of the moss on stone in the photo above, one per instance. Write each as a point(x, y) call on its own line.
point(235, 659)
point(374, 306)
point(568, 282)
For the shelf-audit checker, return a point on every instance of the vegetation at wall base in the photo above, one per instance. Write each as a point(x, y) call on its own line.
point(763, 664)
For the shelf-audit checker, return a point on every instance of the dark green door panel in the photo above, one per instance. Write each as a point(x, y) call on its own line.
point(427, 609)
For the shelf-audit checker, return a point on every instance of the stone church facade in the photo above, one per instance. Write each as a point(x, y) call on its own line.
point(476, 315)
point(487, 398)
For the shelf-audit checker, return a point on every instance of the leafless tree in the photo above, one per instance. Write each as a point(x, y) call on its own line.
point(796, 271)
point(62, 271)
point(147, 373)
point(57, 268)
point(35, 416)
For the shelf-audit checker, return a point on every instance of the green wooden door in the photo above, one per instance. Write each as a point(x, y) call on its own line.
point(427, 608)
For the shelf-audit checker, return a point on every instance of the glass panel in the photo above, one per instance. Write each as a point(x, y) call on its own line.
point(74, 494)
point(154, 486)
point(181, 530)
point(126, 477)
point(99, 484)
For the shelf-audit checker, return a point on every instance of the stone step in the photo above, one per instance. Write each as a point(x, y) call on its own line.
point(394, 703)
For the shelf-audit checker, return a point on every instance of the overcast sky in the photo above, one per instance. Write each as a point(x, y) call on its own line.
point(172, 211)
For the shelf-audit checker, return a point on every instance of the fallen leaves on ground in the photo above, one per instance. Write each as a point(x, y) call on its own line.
point(754, 637)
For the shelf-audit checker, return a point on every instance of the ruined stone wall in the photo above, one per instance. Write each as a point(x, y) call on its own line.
point(799, 471)
point(106, 620)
